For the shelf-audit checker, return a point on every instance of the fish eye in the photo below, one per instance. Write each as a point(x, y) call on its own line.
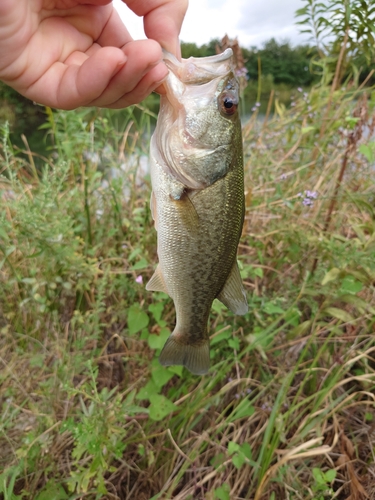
point(228, 103)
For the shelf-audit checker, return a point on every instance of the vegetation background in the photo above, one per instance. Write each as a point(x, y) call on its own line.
point(288, 408)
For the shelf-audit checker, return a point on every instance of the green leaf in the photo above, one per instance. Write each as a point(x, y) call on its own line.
point(177, 370)
point(234, 343)
point(233, 447)
point(243, 410)
point(137, 319)
point(361, 305)
point(142, 264)
point(271, 308)
point(148, 390)
point(161, 375)
point(258, 271)
point(156, 309)
point(367, 152)
point(28, 281)
point(330, 475)
point(160, 407)
point(8, 480)
point(301, 329)
point(246, 450)
point(217, 460)
point(134, 254)
point(238, 460)
point(318, 476)
point(340, 314)
point(222, 492)
point(221, 336)
point(4, 234)
point(305, 130)
point(158, 341)
point(331, 275)
point(351, 285)
point(52, 490)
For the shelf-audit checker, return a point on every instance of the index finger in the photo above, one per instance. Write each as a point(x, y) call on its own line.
point(162, 20)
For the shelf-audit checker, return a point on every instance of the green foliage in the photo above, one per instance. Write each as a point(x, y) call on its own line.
point(192, 50)
point(323, 481)
point(74, 241)
point(240, 454)
point(286, 64)
point(87, 411)
point(336, 24)
point(137, 319)
point(97, 436)
point(7, 482)
point(223, 492)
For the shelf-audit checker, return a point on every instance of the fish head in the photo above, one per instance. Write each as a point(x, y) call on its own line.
point(198, 124)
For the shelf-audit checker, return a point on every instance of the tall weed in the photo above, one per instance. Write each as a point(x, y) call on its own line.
point(287, 410)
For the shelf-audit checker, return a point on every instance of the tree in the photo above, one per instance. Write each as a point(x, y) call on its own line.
point(342, 32)
point(189, 49)
point(286, 64)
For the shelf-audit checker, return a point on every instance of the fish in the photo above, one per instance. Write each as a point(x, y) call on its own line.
point(197, 201)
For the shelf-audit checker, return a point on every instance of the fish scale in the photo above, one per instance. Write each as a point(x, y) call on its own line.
point(197, 202)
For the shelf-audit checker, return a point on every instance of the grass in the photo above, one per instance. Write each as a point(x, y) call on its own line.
point(288, 408)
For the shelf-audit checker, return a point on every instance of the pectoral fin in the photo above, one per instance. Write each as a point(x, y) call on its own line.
point(153, 209)
point(157, 283)
point(187, 212)
point(233, 294)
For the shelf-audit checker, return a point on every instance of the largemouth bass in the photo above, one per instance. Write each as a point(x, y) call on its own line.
point(197, 201)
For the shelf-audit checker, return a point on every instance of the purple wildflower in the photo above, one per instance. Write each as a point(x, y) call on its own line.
point(241, 72)
point(311, 194)
point(139, 279)
point(266, 407)
point(308, 197)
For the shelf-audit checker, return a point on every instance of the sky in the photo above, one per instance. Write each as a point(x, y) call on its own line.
point(251, 21)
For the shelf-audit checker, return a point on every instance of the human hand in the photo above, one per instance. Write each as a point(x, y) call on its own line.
point(71, 53)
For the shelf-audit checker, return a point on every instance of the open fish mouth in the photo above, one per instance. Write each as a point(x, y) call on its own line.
point(196, 70)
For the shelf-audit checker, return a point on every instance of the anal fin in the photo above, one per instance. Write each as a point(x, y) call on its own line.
point(157, 283)
point(233, 294)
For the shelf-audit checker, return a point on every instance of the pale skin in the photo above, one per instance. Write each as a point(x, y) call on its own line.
point(71, 53)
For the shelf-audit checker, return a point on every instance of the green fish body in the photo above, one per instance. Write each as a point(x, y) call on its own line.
point(197, 201)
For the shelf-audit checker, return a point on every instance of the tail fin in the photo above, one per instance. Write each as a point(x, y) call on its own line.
point(196, 358)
